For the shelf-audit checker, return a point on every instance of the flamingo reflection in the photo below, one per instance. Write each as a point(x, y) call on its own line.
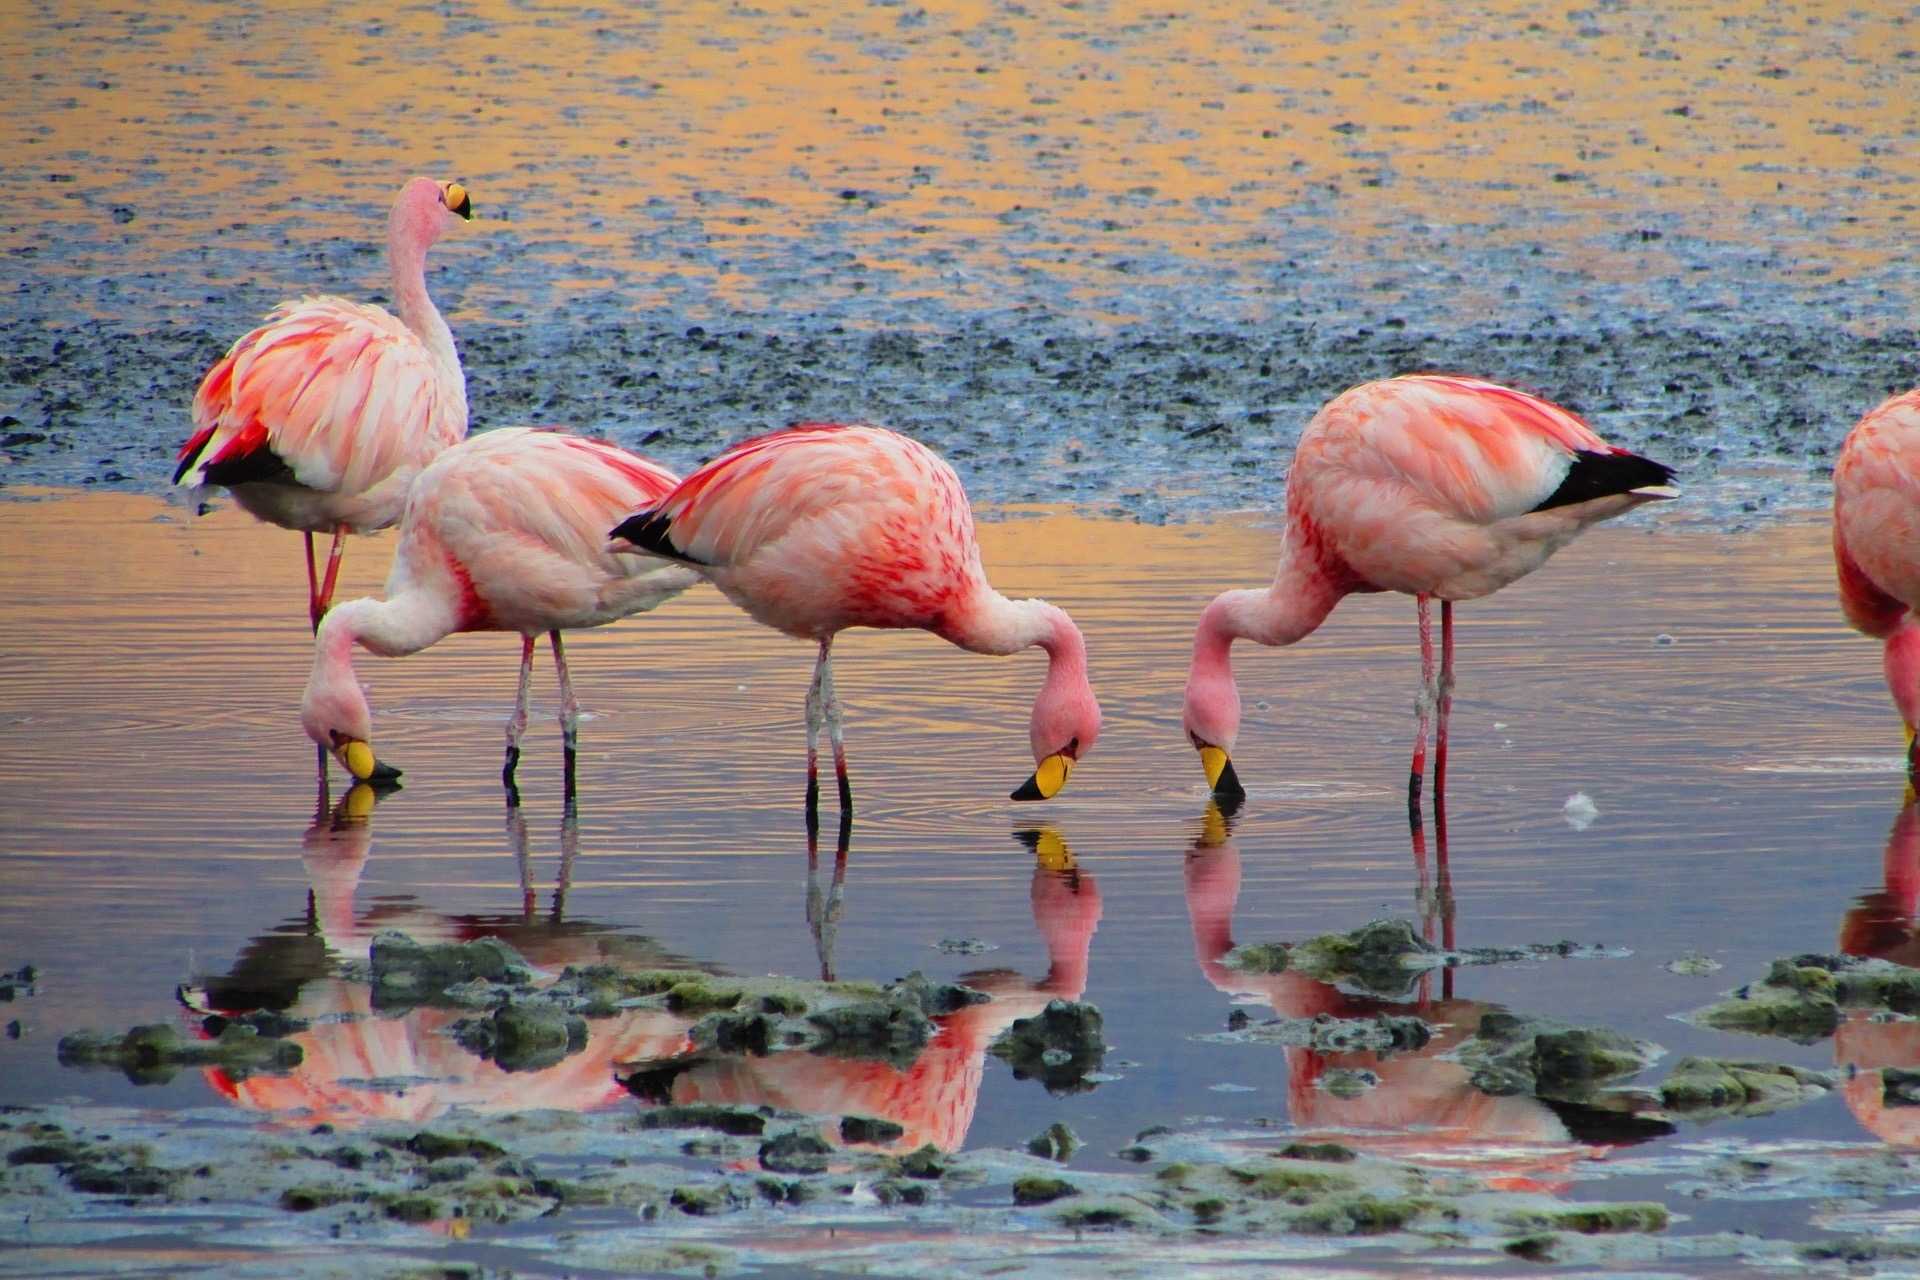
point(933, 1099)
point(363, 1062)
point(366, 1061)
point(1882, 924)
point(1422, 1104)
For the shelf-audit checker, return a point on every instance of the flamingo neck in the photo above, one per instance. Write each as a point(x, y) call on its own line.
point(1001, 626)
point(391, 628)
point(408, 239)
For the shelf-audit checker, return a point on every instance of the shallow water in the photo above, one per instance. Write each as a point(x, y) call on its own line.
point(160, 825)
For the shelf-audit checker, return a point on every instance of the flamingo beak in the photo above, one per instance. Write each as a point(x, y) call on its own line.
point(357, 756)
point(1050, 852)
point(358, 803)
point(1220, 775)
point(1047, 779)
point(458, 201)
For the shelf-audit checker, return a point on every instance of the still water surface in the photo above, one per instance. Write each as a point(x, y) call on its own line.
point(160, 823)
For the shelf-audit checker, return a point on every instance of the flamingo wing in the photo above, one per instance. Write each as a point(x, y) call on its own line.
point(328, 394)
point(1876, 515)
point(1469, 449)
point(818, 475)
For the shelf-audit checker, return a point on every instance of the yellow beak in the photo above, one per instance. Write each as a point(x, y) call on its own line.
point(358, 759)
point(1220, 775)
point(1050, 852)
point(358, 802)
point(1047, 780)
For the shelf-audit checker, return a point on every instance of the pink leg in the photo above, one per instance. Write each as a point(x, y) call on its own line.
point(517, 725)
point(836, 733)
point(823, 911)
point(569, 713)
point(324, 600)
point(1445, 708)
point(313, 585)
point(815, 718)
point(1421, 706)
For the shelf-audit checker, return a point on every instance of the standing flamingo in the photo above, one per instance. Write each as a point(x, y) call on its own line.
point(821, 527)
point(320, 418)
point(1434, 486)
point(1876, 543)
point(503, 532)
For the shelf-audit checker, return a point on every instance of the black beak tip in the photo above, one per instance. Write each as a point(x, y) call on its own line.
point(384, 775)
point(1228, 789)
point(1029, 790)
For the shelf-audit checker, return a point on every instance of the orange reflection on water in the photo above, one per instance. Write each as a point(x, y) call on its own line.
point(1112, 130)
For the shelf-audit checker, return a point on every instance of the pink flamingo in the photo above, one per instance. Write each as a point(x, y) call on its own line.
point(320, 418)
point(503, 532)
point(821, 527)
point(1434, 486)
point(1876, 543)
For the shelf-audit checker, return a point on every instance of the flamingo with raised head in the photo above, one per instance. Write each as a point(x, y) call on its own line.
point(821, 527)
point(1876, 544)
point(319, 419)
point(503, 532)
point(1440, 487)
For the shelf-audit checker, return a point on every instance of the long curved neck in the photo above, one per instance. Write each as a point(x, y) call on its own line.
point(407, 258)
point(390, 628)
point(1299, 600)
point(998, 625)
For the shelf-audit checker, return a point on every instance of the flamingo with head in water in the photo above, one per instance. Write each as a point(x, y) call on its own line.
point(1440, 487)
point(503, 532)
point(822, 527)
point(319, 419)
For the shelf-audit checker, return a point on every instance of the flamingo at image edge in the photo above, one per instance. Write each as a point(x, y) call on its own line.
point(503, 532)
point(320, 418)
point(1439, 487)
point(821, 527)
point(1876, 543)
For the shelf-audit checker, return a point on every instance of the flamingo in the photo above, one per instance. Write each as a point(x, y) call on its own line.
point(1439, 487)
point(823, 526)
point(502, 532)
point(1876, 543)
point(320, 418)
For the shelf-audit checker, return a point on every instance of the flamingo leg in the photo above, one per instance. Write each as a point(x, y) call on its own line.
point(313, 583)
point(569, 712)
point(815, 718)
point(823, 911)
point(569, 850)
point(1421, 706)
point(517, 724)
point(324, 600)
point(836, 730)
point(1445, 707)
point(522, 859)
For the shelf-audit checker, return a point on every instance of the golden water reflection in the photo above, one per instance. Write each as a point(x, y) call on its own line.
point(958, 147)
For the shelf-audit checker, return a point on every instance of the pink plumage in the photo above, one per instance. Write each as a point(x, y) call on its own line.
point(1876, 543)
point(1440, 487)
point(502, 532)
point(822, 527)
point(320, 418)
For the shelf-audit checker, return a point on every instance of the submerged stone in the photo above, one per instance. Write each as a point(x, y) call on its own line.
point(524, 1037)
point(739, 1121)
point(1700, 1086)
point(1064, 1026)
point(1513, 1053)
point(795, 1152)
point(869, 1131)
point(1040, 1189)
point(1057, 1142)
point(155, 1053)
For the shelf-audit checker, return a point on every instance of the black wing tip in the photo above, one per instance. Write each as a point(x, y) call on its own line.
point(1603, 475)
point(648, 530)
point(250, 468)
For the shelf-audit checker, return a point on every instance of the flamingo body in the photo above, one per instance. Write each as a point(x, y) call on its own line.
point(319, 419)
point(1876, 541)
point(1439, 487)
point(821, 527)
point(502, 532)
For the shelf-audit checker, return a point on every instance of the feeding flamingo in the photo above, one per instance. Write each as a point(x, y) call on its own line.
point(320, 418)
point(1439, 487)
point(821, 527)
point(502, 532)
point(1876, 543)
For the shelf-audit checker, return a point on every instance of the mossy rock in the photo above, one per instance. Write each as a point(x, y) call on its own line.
point(1712, 1085)
point(1361, 1215)
point(1103, 1215)
point(926, 1162)
point(1288, 1182)
point(1060, 1046)
point(702, 1201)
point(1041, 1189)
point(441, 1146)
point(1056, 1142)
point(1612, 1219)
point(307, 1198)
point(1259, 957)
point(694, 995)
point(738, 1121)
point(795, 1152)
point(869, 1131)
point(1329, 1152)
point(411, 1208)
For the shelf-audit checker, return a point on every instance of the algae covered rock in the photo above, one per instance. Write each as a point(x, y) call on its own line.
point(1386, 957)
point(1059, 1046)
point(1056, 1142)
point(406, 974)
point(524, 1036)
point(155, 1053)
point(1802, 996)
point(1041, 1189)
point(1512, 1053)
point(1713, 1086)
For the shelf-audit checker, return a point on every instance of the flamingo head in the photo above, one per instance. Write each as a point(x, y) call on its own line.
point(428, 209)
point(1211, 716)
point(334, 709)
point(1066, 715)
